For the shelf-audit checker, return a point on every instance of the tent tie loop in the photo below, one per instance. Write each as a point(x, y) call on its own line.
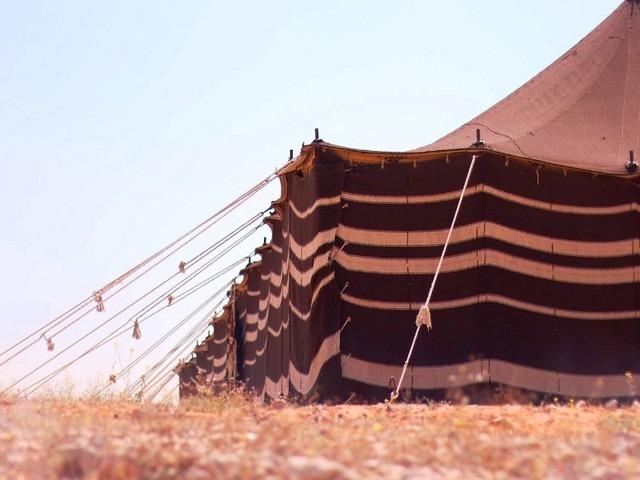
point(345, 323)
point(335, 253)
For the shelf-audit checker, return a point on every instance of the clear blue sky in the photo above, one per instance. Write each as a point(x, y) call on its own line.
point(123, 124)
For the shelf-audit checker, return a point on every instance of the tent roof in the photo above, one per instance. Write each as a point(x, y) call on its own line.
point(583, 111)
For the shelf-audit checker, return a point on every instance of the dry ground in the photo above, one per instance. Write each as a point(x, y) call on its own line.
point(216, 438)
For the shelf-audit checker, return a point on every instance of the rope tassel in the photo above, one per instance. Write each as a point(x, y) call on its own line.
point(424, 317)
point(98, 298)
point(137, 333)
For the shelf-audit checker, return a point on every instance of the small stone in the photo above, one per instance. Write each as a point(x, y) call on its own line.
point(278, 404)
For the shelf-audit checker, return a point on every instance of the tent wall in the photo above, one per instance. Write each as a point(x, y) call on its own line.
point(188, 379)
point(538, 289)
point(292, 303)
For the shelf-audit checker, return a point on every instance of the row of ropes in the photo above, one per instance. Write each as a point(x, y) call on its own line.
point(190, 296)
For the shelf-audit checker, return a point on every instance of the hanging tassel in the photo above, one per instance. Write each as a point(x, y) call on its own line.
point(182, 266)
point(137, 333)
point(112, 378)
point(170, 299)
point(50, 344)
point(424, 317)
point(98, 299)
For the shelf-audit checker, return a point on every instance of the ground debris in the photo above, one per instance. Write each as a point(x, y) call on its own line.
point(235, 438)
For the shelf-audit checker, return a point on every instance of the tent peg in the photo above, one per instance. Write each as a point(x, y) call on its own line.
point(631, 165)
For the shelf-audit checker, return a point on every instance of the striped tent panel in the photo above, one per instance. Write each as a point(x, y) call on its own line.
point(539, 288)
point(540, 274)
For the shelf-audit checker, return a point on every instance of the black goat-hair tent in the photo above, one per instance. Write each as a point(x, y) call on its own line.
point(539, 287)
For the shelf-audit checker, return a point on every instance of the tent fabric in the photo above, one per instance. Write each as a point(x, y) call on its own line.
point(288, 312)
point(540, 285)
point(538, 290)
point(583, 111)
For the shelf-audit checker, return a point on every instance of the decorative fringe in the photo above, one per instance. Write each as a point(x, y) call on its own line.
point(98, 298)
point(137, 333)
point(424, 317)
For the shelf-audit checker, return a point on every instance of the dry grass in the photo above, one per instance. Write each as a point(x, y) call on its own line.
point(232, 437)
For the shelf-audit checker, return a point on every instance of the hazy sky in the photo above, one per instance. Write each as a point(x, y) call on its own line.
point(125, 123)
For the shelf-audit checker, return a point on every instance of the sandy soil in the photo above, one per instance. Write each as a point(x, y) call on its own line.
point(234, 438)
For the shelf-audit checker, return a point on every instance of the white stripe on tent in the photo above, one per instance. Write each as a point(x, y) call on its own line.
point(274, 389)
point(466, 261)
point(303, 383)
point(433, 238)
point(321, 284)
point(305, 251)
point(492, 298)
point(511, 197)
point(320, 202)
point(485, 370)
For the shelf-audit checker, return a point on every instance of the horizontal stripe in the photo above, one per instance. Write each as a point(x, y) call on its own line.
point(491, 298)
point(552, 224)
point(321, 284)
point(320, 202)
point(302, 278)
point(302, 382)
point(278, 388)
point(465, 233)
point(260, 351)
point(305, 251)
point(495, 192)
point(482, 257)
point(488, 370)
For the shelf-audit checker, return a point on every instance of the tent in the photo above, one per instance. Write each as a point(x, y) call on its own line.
point(539, 285)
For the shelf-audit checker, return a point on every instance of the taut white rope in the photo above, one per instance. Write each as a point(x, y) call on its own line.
point(424, 315)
